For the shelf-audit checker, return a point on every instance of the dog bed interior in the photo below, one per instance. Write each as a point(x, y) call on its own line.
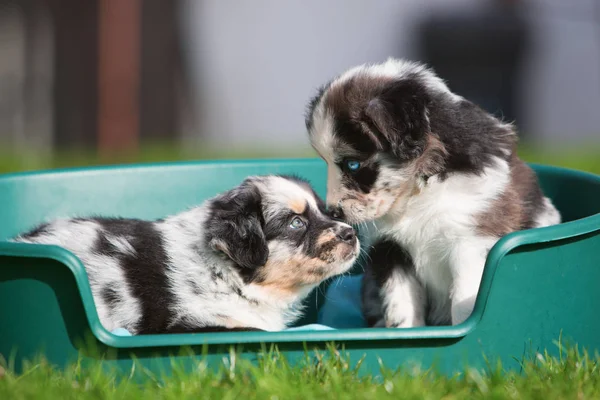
point(334, 306)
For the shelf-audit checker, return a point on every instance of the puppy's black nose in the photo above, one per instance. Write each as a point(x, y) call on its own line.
point(336, 212)
point(346, 234)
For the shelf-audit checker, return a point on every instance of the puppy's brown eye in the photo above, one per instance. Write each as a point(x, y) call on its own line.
point(297, 223)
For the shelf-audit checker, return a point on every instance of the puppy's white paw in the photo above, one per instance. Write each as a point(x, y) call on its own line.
point(412, 322)
point(461, 310)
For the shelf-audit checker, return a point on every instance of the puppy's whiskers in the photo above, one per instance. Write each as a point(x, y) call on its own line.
point(375, 227)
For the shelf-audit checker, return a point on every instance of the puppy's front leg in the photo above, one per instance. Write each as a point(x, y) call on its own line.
point(466, 264)
point(403, 300)
point(402, 297)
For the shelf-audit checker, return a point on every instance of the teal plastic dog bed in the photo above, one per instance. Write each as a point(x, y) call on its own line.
point(538, 285)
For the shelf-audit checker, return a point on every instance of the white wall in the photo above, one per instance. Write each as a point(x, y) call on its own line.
point(256, 62)
point(562, 90)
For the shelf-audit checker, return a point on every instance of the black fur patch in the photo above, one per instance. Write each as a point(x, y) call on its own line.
point(351, 132)
point(196, 289)
point(144, 271)
point(472, 138)
point(386, 255)
point(37, 231)
point(372, 303)
point(398, 115)
point(216, 275)
point(236, 219)
point(110, 295)
point(362, 180)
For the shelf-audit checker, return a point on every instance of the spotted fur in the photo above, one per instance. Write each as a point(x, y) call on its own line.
point(439, 183)
point(234, 262)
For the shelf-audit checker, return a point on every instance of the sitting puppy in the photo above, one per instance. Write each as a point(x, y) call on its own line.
point(437, 177)
point(243, 260)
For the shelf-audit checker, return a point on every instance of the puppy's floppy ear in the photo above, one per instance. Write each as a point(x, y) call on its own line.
point(399, 116)
point(235, 226)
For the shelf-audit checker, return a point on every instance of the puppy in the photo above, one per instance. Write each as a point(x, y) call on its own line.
point(436, 177)
point(243, 260)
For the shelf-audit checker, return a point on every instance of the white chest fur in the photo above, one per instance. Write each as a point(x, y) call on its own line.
point(437, 227)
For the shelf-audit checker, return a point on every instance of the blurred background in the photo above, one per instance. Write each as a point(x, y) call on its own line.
point(87, 82)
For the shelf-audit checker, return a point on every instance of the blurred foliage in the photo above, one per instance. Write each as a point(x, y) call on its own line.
point(147, 153)
point(581, 156)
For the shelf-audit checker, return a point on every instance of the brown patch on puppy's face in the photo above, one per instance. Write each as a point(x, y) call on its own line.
point(297, 205)
point(291, 270)
point(306, 246)
point(325, 238)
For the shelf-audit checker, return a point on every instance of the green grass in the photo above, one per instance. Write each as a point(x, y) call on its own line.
point(573, 375)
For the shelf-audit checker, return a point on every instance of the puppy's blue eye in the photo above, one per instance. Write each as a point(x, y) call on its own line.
point(353, 165)
point(297, 223)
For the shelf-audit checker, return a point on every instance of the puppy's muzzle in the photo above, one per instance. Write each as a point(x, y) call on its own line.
point(346, 234)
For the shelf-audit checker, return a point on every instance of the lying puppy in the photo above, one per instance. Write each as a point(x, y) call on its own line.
point(436, 175)
point(243, 260)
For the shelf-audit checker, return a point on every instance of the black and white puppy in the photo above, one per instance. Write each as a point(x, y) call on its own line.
point(243, 260)
point(436, 177)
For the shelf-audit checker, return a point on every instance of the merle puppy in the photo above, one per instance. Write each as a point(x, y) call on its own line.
point(243, 260)
point(436, 177)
